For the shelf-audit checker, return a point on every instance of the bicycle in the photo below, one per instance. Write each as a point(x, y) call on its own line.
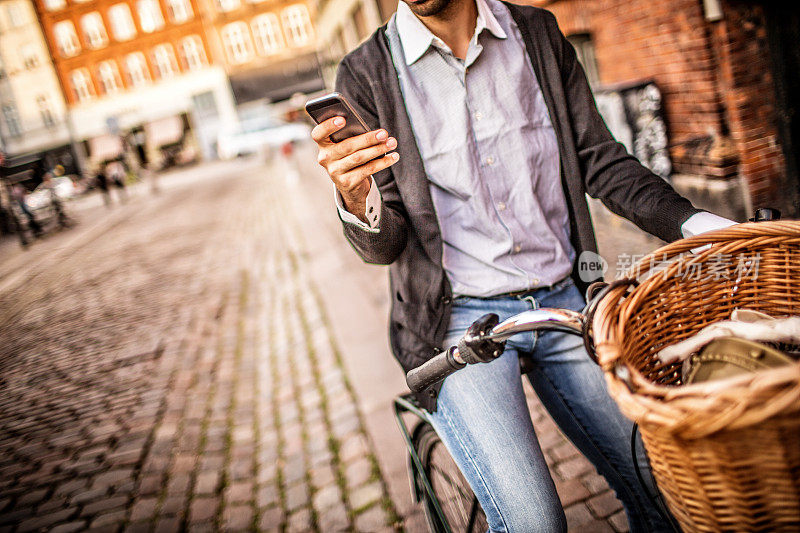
point(448, 501)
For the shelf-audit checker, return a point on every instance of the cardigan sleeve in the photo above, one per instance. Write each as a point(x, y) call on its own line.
point(388, 242)
point(617, 178)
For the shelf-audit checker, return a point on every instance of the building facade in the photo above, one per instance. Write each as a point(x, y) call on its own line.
point(131, 65)
point(33, 109)
point(343, 24)
point(266, 47)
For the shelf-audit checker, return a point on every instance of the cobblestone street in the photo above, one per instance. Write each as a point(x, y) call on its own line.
point(214, 359)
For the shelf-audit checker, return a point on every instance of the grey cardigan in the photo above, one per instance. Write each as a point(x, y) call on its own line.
point(409, 239)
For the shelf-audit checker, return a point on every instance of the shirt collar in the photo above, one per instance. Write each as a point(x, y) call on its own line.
point(416, 38)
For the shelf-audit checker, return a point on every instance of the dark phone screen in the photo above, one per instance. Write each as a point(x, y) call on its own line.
point(334, 107)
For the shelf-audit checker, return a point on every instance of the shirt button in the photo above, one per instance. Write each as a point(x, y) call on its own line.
point(501, 206)
point(490, 160)
point(517, 249)
point(535, 281)
point(478, 115)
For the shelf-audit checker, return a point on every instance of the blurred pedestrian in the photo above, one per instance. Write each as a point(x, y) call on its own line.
point(59, 211)
point(19, 195)
point(6, 216)
point(290, 168)
point(101, 182)
point(139, 141)
point(9, 219)
point(115, 172)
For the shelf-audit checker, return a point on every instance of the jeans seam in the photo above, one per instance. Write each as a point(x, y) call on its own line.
point(471, 459)
point(599, 450)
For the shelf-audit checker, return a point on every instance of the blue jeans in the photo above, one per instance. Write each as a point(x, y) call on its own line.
point(483, 419)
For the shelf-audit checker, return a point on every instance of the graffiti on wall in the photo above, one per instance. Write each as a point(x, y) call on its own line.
point(635, 116)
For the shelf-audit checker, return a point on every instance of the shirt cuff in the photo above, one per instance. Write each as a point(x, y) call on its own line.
point(702, 222)
point(372, 213)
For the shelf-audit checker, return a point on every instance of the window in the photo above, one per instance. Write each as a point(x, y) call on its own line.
point(267, 34)
point(16, 16)
point(93, 30)
point(138, 73)
point(108, 75)
point(297, 24)
point(81, 85)
point(192, 54)
point(45, 110)
point(66, 38)
point(179, 10)
point(53, 5)
point(164, 59)
point(584, 48)
point(122, 22)
point(12, 120)
point(29, 56)
point(150, 17)
point(228, 5)
point(205, 105)
point(236, 40)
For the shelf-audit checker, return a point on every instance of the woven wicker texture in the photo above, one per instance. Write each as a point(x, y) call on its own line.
point(725, 454)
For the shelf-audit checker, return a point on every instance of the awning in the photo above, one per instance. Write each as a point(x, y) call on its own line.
point(278, 81)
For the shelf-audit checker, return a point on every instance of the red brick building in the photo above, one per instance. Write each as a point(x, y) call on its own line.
point(87, 36)
point(128, 65)
point(724, 71)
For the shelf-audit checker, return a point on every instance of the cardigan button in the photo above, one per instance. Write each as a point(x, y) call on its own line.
point(446, 300)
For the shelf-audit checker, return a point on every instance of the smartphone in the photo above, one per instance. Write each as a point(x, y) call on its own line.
point(336, 105)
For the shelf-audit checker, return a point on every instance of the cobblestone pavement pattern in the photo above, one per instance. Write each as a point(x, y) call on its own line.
point(179, 372)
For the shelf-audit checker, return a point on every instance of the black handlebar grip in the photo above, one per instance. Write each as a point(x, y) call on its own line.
point(432, 371)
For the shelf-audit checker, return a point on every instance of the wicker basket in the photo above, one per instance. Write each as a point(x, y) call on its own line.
point(725, 454)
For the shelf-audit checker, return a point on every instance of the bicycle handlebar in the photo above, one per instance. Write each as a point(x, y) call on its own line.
point(434, 370)
point(449, 361)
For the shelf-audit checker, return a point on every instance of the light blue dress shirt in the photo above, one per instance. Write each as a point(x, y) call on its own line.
point(490, 153)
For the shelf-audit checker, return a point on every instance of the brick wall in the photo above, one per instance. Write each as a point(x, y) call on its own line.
point(574, 16)
point(747, 87)
point(714, 77)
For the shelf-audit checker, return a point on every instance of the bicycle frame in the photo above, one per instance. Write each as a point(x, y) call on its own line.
point(536, 319)
point(406, 404)
point(485, 341)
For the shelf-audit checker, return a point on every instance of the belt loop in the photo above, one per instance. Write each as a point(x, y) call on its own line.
point(531, 300)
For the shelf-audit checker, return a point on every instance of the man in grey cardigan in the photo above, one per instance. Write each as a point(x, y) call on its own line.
point(477, 203)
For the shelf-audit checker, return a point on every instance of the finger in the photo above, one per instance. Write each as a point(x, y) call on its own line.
point(353, 178)
point(365, 155)
point(322, 131)
point(359, 142)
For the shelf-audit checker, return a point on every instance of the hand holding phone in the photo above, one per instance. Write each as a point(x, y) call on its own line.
point(347, 151)
point(335, 105)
